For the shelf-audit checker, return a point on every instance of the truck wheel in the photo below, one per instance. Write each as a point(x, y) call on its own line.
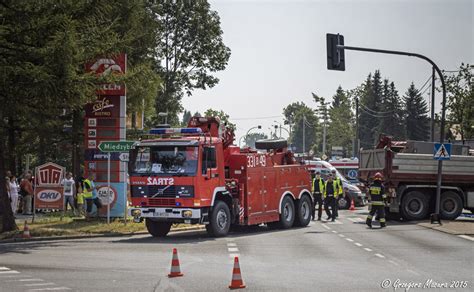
point(287, 216)
point(219, 223)
point(450, 205)
point(157, 229)
point(344, 203)
point(414, 206)
point(303, 211)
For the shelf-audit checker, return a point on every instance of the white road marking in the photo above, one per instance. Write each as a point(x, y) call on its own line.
point(4, 269)
point(358, 244)
point(337, 222)
point(233, 249)
point(379, 255)
point(233, 255)
point(393, 262)
point(231, 244)
point(351, 219)
point(367, 249)
point(50, 289)
point(334, 231)
point(350, 240)
point(39, 284)
point(342, 235)
point(467, 237)
point(325, 226)
point(9, 272)
point(30, 280)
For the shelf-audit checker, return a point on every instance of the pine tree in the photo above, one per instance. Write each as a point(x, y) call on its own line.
point(340, 130)
point(186, 117)
point(391, 110)
point(417, 126)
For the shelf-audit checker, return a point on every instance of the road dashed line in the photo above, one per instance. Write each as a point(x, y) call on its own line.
point(334, 231)
point(358, 244)
point(367, 249)
point(5, 271)
point(380, 255)
point(325, 226)
point(350, 240)
point(233, 250)
point(394, 263)
point(342, 235)
point(39, 284)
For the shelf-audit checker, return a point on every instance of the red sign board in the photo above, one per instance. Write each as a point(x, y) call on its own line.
point(48, 188)
point(103, 107)
point(109, 65)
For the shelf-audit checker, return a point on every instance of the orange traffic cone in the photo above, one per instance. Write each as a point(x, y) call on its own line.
point(175, 269)
point(236, 282)
point(26, 231)
point(352, 208)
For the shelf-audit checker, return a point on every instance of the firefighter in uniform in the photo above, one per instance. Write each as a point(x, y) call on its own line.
point(340, 190)
point(377, 198)
point(330, 197)
point(318, 189)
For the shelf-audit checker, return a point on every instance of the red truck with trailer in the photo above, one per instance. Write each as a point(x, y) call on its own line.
point(195, 175)
point(410, 176)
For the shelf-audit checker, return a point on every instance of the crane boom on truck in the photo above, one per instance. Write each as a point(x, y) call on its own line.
point(410, 174)
point(195, 175)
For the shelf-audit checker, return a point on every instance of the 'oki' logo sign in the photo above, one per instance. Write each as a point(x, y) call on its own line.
point(49, 174)
point(49, 195)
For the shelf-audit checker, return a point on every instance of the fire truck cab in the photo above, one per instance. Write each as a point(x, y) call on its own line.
point(195, 175)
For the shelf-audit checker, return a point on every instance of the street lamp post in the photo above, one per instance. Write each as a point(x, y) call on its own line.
point(246, 135)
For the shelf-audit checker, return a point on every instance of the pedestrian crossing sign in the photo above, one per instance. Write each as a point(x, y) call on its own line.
point(442, 151)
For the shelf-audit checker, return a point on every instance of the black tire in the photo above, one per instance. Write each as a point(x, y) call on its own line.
point(415, 206)
point(344, 203)
point(219, 222)
point(156, 228)
point(271, 144)
point(287, 216)
point(303, 211)
point(450, 205)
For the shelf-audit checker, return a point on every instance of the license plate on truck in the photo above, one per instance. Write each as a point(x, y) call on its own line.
point(161, 214)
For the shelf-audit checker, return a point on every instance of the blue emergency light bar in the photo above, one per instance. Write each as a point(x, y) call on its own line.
point(162, 131)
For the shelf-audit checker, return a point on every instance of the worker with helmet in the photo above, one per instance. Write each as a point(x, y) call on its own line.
point(330, 197)
point(377, 197)
point(317, 189)
point(340, 191)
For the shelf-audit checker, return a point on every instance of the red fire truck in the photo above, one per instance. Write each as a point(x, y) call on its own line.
point(195, 175)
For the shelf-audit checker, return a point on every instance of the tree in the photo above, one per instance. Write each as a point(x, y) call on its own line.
point(186, 117)
point(392, 120)
point(460, 100)
point(417, 127)
point(251, 138)
point(222, 116)
point(190, 46)
point(340, 131)
point(299, 115)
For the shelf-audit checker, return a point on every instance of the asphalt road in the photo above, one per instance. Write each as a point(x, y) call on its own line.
point(325, 256)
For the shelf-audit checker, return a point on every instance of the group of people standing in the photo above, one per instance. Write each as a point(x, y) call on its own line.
point(79, 196)
point(326, 193)
point(20, 194)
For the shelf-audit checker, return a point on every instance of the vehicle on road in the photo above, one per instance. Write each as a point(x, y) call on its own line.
point(351, 191)
point(410, 174)
point(195, 175)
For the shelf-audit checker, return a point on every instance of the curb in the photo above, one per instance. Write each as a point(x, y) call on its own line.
point(45, 238)
point(442, 229)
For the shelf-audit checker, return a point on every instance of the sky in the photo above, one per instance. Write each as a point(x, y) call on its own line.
point(278, 51)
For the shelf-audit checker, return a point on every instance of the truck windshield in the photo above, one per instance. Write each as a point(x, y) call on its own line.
point(174, 160)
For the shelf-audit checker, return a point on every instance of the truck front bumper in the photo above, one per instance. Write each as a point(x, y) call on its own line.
point(175, 215)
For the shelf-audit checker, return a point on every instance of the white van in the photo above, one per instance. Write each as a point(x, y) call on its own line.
point(350, 191)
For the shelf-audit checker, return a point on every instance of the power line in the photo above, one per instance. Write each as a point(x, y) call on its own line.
point(373, 111)
point(426, 82)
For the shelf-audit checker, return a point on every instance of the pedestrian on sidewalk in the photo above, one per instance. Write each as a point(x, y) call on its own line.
point(69, 192)
point(13, 193)
point(317, 189)
point(330, 197)
point(340, 190)
point(27, 190)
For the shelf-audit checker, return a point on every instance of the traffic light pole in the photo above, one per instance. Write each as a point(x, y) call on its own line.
point(434, 217)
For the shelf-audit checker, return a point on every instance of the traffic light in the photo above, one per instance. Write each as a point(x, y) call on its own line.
point(335, 55)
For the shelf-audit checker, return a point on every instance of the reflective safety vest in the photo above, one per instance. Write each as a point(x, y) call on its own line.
point(377, 194)
point(87, 185)
point(340, 191)
point(320, 184)
point(335, 186)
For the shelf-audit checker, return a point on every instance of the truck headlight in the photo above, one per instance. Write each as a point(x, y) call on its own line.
point(136, 212)
point(187, 214)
